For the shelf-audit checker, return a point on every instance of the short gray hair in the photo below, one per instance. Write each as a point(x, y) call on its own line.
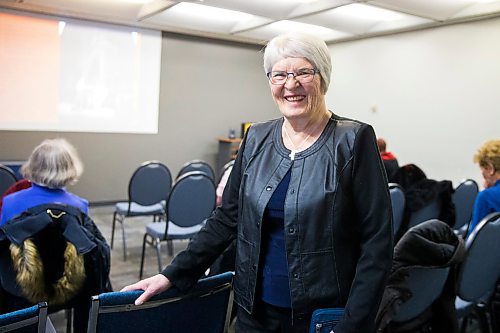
point(54, 163)
point(300, 45)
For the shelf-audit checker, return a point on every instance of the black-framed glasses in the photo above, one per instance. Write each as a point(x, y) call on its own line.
point(303, 75)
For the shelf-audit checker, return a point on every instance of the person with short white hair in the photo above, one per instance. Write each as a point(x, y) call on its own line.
point(52, 166)
point(308, 204)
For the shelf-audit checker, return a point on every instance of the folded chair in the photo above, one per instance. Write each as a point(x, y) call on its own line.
point(148, 190)
point(32, 319)
point(204, 308)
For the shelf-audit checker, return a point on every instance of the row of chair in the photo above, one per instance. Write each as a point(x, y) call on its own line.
point(148, 191)
point(463, 199)
point(209, 302)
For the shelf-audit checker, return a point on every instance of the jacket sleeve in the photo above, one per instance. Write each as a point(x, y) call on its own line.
point(372, 206)
point(217, 234)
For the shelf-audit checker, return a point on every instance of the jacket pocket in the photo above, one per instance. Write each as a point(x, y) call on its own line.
point(244, 266)
point(320, 278)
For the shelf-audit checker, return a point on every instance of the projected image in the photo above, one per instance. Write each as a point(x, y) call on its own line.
point(96, 77)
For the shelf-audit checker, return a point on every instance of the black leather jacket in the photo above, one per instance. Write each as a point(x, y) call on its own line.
point(337, 222)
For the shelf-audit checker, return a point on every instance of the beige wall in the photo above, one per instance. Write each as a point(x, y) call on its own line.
point(207, 87)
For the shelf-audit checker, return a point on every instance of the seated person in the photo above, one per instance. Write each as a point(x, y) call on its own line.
point(51, 166)
point(390, 161)
point(488, 200)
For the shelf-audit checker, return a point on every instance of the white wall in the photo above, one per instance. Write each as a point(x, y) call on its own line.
point(435, 93)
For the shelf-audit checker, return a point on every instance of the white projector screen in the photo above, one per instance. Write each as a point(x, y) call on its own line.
point(77, 76)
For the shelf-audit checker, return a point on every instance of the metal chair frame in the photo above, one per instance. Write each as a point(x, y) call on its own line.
point(156, 241)
point(18, 320)
point(133, 199)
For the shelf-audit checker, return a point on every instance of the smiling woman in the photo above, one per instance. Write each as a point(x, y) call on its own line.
point(80, 76)
point(308, 203)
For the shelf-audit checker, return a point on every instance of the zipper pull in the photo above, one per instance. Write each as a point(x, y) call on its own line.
point(318, 328)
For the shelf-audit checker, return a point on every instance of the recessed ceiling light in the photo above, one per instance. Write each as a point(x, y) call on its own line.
point(137, 1)
point(208, 12)
point(285, 25)
point(368, 12)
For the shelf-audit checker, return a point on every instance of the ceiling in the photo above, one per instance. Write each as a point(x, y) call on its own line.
point(256, 21)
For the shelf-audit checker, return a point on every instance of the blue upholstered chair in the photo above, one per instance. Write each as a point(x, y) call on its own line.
point(190, 203)
point(398, 206)
point(463, 198)
point(197, 165)
point(32, 319)
point(204, 308)
point(429, 212)
point(479, 272)
point(7, 178)
point(425, 285)
point(148, 190)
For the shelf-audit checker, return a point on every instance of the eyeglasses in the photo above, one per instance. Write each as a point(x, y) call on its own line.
point(303, 75)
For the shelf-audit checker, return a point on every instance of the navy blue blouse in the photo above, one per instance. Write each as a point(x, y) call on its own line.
point(275, 288)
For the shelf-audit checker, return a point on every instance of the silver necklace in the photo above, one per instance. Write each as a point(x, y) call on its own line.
point(295, 149)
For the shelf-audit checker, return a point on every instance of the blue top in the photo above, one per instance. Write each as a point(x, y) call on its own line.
point(275, 288)
point(487, 201)
point(16, 203)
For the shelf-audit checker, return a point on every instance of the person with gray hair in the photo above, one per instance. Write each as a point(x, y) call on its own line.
point(52, 166)
point(308, 203)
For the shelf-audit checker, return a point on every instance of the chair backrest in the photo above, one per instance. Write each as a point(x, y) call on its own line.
point(150, 184)
point(32, 319)
point(192, 199)
point(7, 178)
point(425, 285)
point(398, 206)
point(463, 198)
point(431, 211)
point(197, 165)
point(480, 269)
point(205, 308)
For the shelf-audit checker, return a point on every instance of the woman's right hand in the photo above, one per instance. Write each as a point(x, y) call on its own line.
point(151, 286)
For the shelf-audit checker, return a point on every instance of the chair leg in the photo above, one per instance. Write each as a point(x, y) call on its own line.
point(113, 230)
point(142, 255)
point(124, 240)
point(170, 247)
point(463, 326)
point(69, 320)
point(484, 325)
point(158, 253)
